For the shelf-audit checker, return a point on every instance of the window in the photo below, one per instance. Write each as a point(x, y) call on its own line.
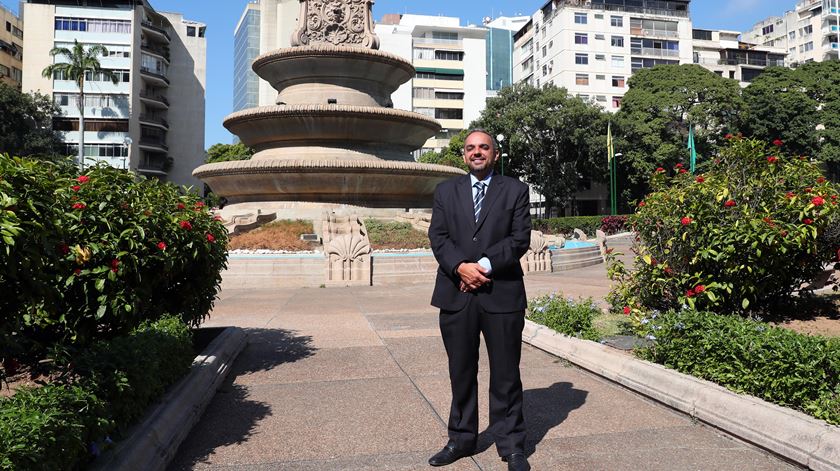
point(617, 41)
point(581, 59)
point(600, 57)
point(599, 37)
point(732, 74)
point(14, 30)
point(449, 95)
point(809, 46)
point(449, 113)
point(17, 74)
point(449, 55)
point(580, 18)
point(98, 150)
point(544, 51)
point(792, 35)
point(601, 98)
point(424, 93)
point(445, 35)
point(808, 30)
point(618, 81)
point(583, 97)
point(599, 16)
point(201, 31)
point(600, 77)
point(424, 54)
point(191, 31)
point(616, 21)
point(581, 38)
point(581, 79)
point(92, 25)
point(616, 102)
point(545, 69)
point(701, 34)
point(767, 30)
point(618, 61)
point(430, 112)
point(4, 71)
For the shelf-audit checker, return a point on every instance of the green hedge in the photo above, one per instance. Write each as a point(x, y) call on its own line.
point(63, 425)
point(771, 363)
point(565, 315)
point(87, 257)
point(588, 224)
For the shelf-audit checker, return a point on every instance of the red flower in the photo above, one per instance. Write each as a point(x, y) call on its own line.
point(682, 170)
point(679, 166)
point(769, 221)
point(75, 188)
point(115, 264)
point(699, 289)
point(728, 136)
point(807, 221)
point(79, 206)
point(77, 271)
point(808, 190)
point(700, 179)
point(817, 201)
point(181, 206)
point(210, 238)
point(833, 197)
point(83, 179)
point(790, 195)
point(730, 203)
point(821, 180)
point(64, 249)
point(778, 143)
point(217, 218)
point(685, 221)
point(161, 245)
point(186, 225)
point(717, 161)
point(784, 233)
point(627, 308)
point(668, 270)
point(660, 170)
point(642, 204)
point(690, 293)
point(199, 204)
point(772, 159)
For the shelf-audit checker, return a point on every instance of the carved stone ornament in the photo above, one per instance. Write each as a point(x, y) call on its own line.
point(336, 22)
point(347, 251)
point(538, 257)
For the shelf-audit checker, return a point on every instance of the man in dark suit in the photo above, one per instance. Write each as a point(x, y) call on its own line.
point(480, 228)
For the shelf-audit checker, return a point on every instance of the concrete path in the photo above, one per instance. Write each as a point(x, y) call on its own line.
point(355, 379)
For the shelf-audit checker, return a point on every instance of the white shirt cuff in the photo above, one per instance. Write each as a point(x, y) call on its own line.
point(485, 264)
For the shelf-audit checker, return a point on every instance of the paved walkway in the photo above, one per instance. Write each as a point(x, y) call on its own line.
point(355, 379)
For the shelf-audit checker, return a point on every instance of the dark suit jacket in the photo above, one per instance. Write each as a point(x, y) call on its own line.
point(502, 234)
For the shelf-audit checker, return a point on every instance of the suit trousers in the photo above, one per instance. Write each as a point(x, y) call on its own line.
point(503, 337)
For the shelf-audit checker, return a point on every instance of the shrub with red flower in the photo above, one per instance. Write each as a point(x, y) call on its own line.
point(778, 142)
point(115, 265)
point(660, 170)
point(79, 206)
point(702, 260)
point(728, 136)
point(211, 238)
point(83, 179)
point(181, 206)
point(75, 188)
point(627, 309)
point(161, 245)
point(186, 225)
point(641, 204)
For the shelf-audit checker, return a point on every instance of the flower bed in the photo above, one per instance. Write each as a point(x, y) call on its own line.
point(588, 224)
point(566, 315)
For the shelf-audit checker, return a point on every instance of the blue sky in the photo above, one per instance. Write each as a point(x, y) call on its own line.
point(221, 17)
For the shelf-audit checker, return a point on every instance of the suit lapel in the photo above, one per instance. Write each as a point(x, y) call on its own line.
point(465, 196)
point(493, 191)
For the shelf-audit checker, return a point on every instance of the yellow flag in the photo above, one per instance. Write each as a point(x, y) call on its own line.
point(610, 150)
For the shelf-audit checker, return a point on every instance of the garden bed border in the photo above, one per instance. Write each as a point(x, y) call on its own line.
point(151, 445)
point(785, 432)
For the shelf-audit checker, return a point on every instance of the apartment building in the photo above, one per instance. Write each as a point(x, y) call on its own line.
point(591, 47)
point(11, 48)
point(724, 54)
point(152, 120)
point(451, 64)
point(808, 33)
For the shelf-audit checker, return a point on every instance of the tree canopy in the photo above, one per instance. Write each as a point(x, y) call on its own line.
point(451, 156)
point(225, 152)
point(26, 123)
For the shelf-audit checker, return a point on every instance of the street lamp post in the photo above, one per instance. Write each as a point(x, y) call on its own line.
point(614, 184)
point(500, 138)
point(127, 143)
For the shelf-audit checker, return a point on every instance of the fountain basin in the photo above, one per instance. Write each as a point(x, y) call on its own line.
point(372, 183)
point(319, 73)
point(366, 132)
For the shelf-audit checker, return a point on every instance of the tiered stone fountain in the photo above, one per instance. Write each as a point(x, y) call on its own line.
point(333, 137)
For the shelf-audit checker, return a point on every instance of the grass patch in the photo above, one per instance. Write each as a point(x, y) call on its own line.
point(609, 324)
point(389, 235)
point(277, 235)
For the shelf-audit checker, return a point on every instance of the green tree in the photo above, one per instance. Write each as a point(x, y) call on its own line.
point(25, 123)
point(653, 122)
point(76, 65)
point(799, 106)
point(226, 152)
point(451, 156)
point(555, 141)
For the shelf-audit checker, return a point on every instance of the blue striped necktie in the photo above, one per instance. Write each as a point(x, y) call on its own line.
point(479, 198)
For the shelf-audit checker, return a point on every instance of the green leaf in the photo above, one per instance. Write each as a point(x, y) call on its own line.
point(745, 303)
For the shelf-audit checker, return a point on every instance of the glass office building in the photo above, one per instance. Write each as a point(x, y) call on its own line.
point(246, 83)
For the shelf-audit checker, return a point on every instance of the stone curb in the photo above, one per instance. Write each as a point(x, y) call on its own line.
point(785, 432)
point(152, 444)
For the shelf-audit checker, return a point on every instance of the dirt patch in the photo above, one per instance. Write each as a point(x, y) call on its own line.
point(824, 326)
point(389, 235)
point(278, 235)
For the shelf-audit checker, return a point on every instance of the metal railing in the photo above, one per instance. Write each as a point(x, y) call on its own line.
point(653, 51)
point(661, 33)
point(157, 28)
point(151, 141)
point(146, 118)
point(148, 71)
point(438, 41)
point(160, 51)
point(151, 96)
point(632, 9)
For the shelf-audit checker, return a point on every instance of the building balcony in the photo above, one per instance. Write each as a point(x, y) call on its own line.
point(449, 43)
point(154, 76)
point(162, 52)
point(634, 9)
point(654, 33)
point(155, 121)
point(155, 30)
point(655, 52)
point(154, 166)
point(153, 144)
point(154, 100)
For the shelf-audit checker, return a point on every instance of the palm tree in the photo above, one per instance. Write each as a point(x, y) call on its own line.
point(79, 62)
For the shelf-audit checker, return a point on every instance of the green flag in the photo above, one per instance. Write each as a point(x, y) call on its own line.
point(691, 147)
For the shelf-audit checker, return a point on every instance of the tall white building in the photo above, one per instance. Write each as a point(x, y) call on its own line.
point(592, 47)
point(724, 54)
point(451, 64)
point(807, 33)
point(152, 120)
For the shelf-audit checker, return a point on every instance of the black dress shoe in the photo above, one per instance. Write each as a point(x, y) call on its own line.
point(450, 454)
point(517, 462)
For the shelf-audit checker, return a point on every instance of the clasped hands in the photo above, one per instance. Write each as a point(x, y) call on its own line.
point(473, 276)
